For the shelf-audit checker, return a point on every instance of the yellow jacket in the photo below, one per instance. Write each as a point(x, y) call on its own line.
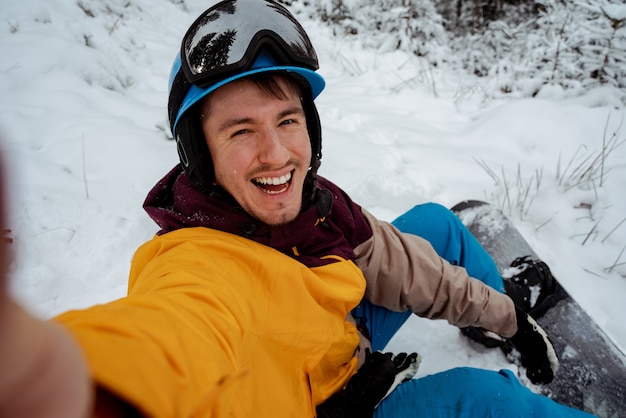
point(257, 334)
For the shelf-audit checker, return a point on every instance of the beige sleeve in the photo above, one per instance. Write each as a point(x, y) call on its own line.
point(404, 272)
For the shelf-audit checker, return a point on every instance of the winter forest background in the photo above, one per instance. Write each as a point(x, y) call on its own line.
point(521, 103)
point(515, 46)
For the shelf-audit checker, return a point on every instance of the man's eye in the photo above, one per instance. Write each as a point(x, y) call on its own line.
point(288, 122)
point(240, 132)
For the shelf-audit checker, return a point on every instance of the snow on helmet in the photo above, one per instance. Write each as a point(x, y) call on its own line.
point(231, 40)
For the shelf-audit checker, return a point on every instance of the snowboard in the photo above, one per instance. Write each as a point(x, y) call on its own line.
point(592, 371)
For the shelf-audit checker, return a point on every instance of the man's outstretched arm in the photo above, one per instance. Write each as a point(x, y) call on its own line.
point(42, 370)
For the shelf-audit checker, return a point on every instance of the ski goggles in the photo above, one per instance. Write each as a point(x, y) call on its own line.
point(226, 38)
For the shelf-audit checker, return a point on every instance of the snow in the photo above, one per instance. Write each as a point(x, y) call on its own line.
point(83, 95)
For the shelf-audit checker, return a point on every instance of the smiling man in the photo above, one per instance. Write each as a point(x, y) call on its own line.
point(281, 272)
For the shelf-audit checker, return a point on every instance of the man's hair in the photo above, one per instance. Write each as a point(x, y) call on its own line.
point(270, 84)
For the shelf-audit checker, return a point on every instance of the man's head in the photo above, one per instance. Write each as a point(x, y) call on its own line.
point(233, 40)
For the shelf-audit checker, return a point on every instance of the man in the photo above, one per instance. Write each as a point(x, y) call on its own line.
point(268, 291)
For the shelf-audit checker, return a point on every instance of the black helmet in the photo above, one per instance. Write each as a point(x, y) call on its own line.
point(231, 40)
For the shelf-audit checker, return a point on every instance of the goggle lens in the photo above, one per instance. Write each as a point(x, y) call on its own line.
point(225, 38)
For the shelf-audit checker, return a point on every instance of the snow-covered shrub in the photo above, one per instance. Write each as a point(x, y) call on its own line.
point(513, 46)
point(409, 25)
point(574, 45)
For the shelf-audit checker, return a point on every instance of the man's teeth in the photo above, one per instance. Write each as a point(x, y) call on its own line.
point(274, 180)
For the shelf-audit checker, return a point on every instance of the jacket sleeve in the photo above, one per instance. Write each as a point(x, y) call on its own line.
point(156, 350)
point(403, 272)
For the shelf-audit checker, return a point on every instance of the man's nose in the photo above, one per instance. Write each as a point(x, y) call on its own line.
point(272, 148)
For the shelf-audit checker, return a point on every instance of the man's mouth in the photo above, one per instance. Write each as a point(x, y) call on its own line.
point(273, 185)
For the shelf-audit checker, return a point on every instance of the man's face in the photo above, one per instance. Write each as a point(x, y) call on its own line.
point(260, 148)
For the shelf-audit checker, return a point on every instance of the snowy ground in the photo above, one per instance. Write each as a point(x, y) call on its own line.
point(83, 125)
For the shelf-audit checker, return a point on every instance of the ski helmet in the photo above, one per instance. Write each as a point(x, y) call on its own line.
point(231, 40)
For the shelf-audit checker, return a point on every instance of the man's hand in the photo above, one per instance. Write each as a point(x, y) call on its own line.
point(42, 371)
point(375, 380)
point(536, 350)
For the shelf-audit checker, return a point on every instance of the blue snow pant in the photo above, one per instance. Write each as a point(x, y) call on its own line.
point(464, 391)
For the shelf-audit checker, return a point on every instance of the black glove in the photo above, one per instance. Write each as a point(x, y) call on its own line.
point(378, 376)
point(536, 350)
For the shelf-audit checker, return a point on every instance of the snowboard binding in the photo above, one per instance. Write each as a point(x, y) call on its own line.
point(532, 287)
